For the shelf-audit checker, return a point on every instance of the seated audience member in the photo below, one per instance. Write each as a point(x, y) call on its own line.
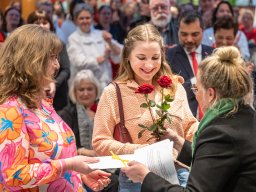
point(58, 89)
point(223, 147)
point(79, 115)
point(84, 92)
point(37, 148)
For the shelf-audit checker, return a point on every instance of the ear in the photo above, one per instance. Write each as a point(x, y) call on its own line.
point(211, 95)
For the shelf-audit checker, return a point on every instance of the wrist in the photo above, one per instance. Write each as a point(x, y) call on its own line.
point(69, 163)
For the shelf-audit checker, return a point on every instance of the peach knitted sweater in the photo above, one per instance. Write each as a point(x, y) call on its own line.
point(107, 116)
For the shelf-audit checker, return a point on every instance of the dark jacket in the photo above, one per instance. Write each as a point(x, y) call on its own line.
point(61, 96)
point(180, 65)
point(224, 159)
point(170, 36)
point(69, 115)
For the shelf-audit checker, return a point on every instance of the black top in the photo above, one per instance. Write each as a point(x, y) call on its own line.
point(61, 96)
point(224, 160)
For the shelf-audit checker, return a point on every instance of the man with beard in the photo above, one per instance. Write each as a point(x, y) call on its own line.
point(161, 18)
point(185, 57)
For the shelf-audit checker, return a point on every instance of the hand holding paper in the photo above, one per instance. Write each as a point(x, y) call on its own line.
point(156, 157)
point(136, 171)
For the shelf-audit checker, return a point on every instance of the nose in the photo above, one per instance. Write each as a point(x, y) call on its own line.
point(149, 65)
point(189, 38)
point(224, 42)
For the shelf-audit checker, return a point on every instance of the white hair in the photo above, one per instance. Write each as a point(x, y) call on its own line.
point(83, 75)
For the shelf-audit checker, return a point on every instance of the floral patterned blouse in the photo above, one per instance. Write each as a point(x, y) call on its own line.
point(33, 144)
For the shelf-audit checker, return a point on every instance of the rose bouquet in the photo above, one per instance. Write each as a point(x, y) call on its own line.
point(161, 109)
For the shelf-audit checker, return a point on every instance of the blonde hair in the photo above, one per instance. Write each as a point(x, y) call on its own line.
point(24, 60)
point(225, 72)
point(146, 33)
point(83, 75)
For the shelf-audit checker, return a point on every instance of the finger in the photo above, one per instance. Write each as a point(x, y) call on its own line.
point(100, 184)
point(104, 174)
point(130, 163)
point(90, 159)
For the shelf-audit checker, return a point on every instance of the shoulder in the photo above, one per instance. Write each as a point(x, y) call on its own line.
point(74, 36)
point(12, 108)
point(173, 49)
point(208, 31)
point(207, 48)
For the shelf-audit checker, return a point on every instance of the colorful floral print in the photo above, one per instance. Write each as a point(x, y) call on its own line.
point(32, 144)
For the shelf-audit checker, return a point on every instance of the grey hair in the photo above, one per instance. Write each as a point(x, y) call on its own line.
point(82, 6)
point(83, 75)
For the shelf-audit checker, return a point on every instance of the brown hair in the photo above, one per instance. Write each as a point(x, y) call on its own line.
point(40, 16)
point(24, 60)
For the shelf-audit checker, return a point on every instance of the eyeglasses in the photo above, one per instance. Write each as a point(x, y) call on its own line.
point(162, 7)
point(194, 89)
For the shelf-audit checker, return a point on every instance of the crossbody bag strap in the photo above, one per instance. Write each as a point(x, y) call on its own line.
point(120, 104)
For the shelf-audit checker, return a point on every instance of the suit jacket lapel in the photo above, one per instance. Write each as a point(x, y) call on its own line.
point(185, 61)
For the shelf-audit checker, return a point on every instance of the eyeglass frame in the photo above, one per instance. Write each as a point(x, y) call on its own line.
point(194, 89)
point(162, 6)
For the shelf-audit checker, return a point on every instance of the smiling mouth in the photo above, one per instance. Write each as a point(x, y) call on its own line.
point(147, 72)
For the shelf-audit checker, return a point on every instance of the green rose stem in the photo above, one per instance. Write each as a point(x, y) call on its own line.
point(149, 106)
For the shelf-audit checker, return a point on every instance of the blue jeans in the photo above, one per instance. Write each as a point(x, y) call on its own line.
point(183, 174)
point(126, 185)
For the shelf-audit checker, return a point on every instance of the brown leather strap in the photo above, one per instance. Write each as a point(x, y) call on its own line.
point(120, 104)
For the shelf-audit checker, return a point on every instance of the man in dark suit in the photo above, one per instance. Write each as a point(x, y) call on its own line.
point(185, 57)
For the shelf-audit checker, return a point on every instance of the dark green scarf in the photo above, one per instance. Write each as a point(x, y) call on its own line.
point(221, 107)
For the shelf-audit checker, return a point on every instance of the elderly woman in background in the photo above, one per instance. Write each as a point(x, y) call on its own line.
point(37, 148)
point(224, 145)
point(84, 92)
point(89, 48)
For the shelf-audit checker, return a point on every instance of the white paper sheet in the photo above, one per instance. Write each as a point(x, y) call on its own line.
point(157, 157)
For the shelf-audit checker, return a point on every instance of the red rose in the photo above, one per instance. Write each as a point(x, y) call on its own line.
point(164, 81)
point(145, 89)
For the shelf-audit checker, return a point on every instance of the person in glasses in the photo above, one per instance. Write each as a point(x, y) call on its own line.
point(37, 148)
point(224, 146)
point(161, 18)
point(57, 90)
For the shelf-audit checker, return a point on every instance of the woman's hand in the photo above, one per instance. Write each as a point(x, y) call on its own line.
point(135, 171)
point(107, 36)
point(50, 90)
point(80, 164)
point(96, 180)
